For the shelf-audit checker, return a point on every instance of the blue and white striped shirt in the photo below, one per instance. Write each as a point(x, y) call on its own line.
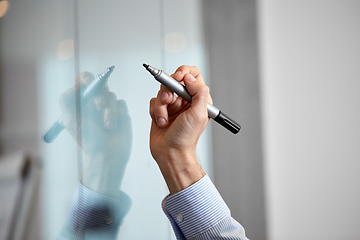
point(94, 216)
point(199, 212)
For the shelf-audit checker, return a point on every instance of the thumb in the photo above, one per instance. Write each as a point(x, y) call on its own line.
point(200, 97)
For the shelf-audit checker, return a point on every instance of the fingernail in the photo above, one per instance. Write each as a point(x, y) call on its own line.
point(161, 122)
point(110, 124)
point(164, 96)
point(191, 78)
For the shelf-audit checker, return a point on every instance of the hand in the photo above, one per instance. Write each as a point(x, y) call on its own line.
point(103, 132)
point(176, 128)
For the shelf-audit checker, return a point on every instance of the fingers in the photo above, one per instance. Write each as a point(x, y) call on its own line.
point(115, 112)
point(158, 108)
point(110, 111)
point(103, 109)
point(101, 101)
point(85, 78)
point(152, 109)
point(122, 109)
point(124, 120)
point(183, 70)
point(197, 114)
point(164, 105)
point(68, 98)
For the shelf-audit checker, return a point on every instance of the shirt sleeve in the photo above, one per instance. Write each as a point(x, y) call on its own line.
point(94, 216)
point(199, 212)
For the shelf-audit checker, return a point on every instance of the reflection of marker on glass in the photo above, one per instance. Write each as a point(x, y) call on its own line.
point(180, 90)
point(85, 97)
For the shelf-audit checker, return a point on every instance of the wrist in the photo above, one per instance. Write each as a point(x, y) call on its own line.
point(103, 174)
point(180, 170)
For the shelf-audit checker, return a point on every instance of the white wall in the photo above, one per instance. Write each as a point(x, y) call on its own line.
point(310, 59)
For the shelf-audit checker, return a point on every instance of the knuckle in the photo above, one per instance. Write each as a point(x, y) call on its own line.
point(195, 68)
point(85, 77)
point(204, 89)
point(183, 68)
point(152, 104)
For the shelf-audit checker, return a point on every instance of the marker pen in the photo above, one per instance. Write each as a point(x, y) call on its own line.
point(180, 90)
point(85, 97)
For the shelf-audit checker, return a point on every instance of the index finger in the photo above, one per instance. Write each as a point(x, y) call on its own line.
point(85, 78)
point(183, 70)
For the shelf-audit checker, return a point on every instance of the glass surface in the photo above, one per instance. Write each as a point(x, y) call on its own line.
point(51, 52)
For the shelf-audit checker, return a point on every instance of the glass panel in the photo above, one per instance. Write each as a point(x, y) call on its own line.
point(100, 164)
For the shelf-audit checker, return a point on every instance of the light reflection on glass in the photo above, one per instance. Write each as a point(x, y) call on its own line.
point(4, 6)
point(65, 50)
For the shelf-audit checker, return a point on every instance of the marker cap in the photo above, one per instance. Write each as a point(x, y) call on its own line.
point(54, 131)
point(227, 122)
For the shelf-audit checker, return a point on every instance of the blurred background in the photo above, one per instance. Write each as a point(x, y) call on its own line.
point(287, 71)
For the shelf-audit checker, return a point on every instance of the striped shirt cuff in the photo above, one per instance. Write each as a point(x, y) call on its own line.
point(195, 209)
point(94, 215)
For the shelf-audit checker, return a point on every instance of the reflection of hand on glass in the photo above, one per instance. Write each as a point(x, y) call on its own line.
point(103, 131)
point(194, 206)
